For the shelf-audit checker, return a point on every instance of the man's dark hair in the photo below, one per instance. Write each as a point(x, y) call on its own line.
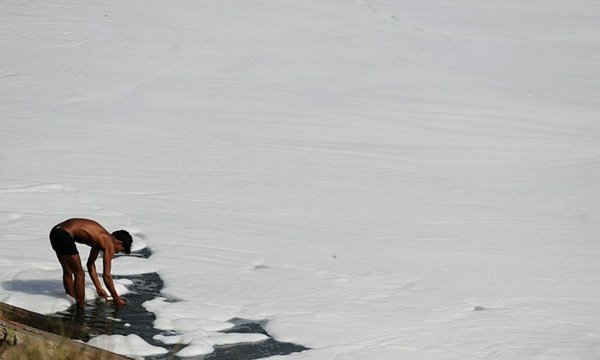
point(125, 238)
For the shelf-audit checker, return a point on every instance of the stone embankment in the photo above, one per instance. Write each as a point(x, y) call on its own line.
point(28, 335)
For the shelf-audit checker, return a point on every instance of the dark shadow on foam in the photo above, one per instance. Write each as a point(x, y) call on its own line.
point(36, 287)
point(142, 253)
point(54, 287)
point(103, 318)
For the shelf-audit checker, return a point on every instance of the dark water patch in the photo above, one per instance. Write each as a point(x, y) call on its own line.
point(142, 253)
point(249, 351)
point(243, 326)
point(263, 349)
point(103, 318)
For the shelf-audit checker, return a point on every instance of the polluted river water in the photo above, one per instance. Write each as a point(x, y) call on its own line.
point(104, 319)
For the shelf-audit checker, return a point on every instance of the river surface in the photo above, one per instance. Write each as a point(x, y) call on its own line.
point(103, 318)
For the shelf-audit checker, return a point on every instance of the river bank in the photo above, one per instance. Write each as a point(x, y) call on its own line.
point(23, 336)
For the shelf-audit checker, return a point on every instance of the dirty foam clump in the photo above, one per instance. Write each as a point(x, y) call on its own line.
point(203, 344)
point(121, 286)
point(200, 335)
point(168, 339)
point(174, 315)
point(131, 345)
point(196, 348)
point(236, 338)
point(39, 303)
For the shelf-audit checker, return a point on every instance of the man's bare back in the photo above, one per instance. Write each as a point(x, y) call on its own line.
point(85, 231)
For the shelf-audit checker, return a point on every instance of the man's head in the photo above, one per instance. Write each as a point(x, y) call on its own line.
point(125, 238)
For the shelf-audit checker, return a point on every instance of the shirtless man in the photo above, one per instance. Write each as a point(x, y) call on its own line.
point(84, 231)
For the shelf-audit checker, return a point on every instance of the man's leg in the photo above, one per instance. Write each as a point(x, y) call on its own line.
point(67, 277)
point(73, 263)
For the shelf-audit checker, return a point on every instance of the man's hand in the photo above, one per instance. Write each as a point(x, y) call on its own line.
point(101, 293)
point(120, 302)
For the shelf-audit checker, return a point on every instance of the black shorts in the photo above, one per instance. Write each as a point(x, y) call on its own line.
point(62, 242)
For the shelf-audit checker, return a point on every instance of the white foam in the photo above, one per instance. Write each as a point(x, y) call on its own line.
point(40, 289)
point(124, 282)
point(234, 338)
point(131, 265)
point(37, 189)
point(39, 303)
point(199, 347)
point(138, 244)
point(199, 334)
point(360, 174)
point(14, 217)
point(177, 315)
point(131, 345)
point(169, 339)
point(202, 343)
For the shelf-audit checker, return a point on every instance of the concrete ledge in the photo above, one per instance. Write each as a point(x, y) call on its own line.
point(64, 327)
point(19, 341)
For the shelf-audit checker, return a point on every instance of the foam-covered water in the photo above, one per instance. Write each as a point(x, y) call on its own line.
point(103, 319)
point(363, 174)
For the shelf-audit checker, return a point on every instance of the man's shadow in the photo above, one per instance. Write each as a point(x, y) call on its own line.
point(71, 326)
point(35, 287)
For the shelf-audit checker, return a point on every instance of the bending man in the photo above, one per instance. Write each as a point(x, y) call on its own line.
point(84, 231)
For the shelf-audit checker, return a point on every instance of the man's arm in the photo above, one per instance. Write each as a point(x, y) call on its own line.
point(91, 266)
point(107, 277)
